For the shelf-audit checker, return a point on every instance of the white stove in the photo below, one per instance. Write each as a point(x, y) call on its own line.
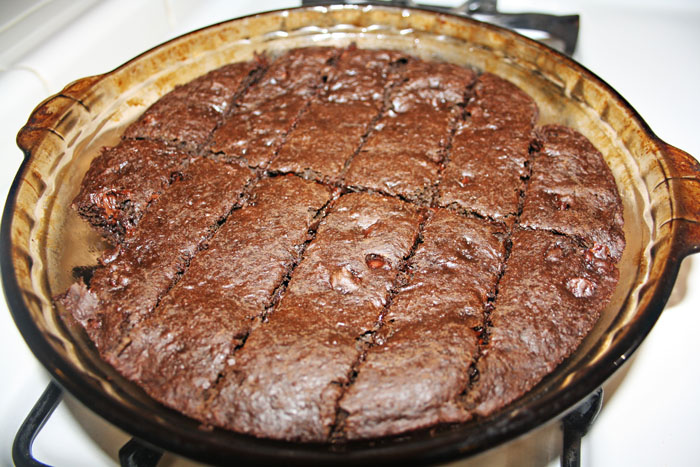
point(645, 49)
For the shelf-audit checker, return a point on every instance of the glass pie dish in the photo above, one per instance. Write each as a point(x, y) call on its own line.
point(43, 240)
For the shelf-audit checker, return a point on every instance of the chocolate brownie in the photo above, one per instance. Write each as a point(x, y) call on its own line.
point(447, 255)
point(490, 151)
point(177, 352)
point(188, 114)
point(452, 274)
point(267, 112)
point(396, 159)
point(549, 298)
point(123, 180)
point(141, 270)
point(329, 133)
point(572, 191)
point(286, 380)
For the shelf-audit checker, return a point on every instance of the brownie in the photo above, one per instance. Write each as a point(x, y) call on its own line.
point(140, 272)
point(123, 180)
point(177, 352)
point(326, 137)
point(286, 380)
point(398, 160)
point(266, 113)
point(490, 151)
point(345, 244)
point(550, 296)
point(452, 274)
point(572, 191)
point(189, 113)
point(330, 132)
point(362, 75)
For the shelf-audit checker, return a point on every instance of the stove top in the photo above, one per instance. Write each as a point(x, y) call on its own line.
point(647, 50)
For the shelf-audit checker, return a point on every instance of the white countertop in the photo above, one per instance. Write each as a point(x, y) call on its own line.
point(647, 50)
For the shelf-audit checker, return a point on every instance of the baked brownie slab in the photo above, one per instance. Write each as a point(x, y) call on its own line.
point(270, 107)
point(189, 113)
point(398, 159)
point(373, 316)
point(328, 134)
point(178, 351)
point(419, 366)
point(287, 378)
point(550, 296)
point(129, 286)
point(572, 191)
point(488, 159)
point(122, 181)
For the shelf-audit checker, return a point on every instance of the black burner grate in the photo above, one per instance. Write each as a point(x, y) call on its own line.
point(137, 453)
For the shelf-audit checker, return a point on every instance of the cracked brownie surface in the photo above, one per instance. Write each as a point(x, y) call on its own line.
point(266, 113)
point(340, 244)
point(396, 159)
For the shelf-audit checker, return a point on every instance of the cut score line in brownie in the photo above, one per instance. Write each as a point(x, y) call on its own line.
point(549, 298)
point(188, 114)
point(572, 191)
point(489, 154)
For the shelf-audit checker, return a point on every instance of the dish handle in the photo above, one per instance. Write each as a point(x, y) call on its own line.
point(46, 118)
point(683, 180)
